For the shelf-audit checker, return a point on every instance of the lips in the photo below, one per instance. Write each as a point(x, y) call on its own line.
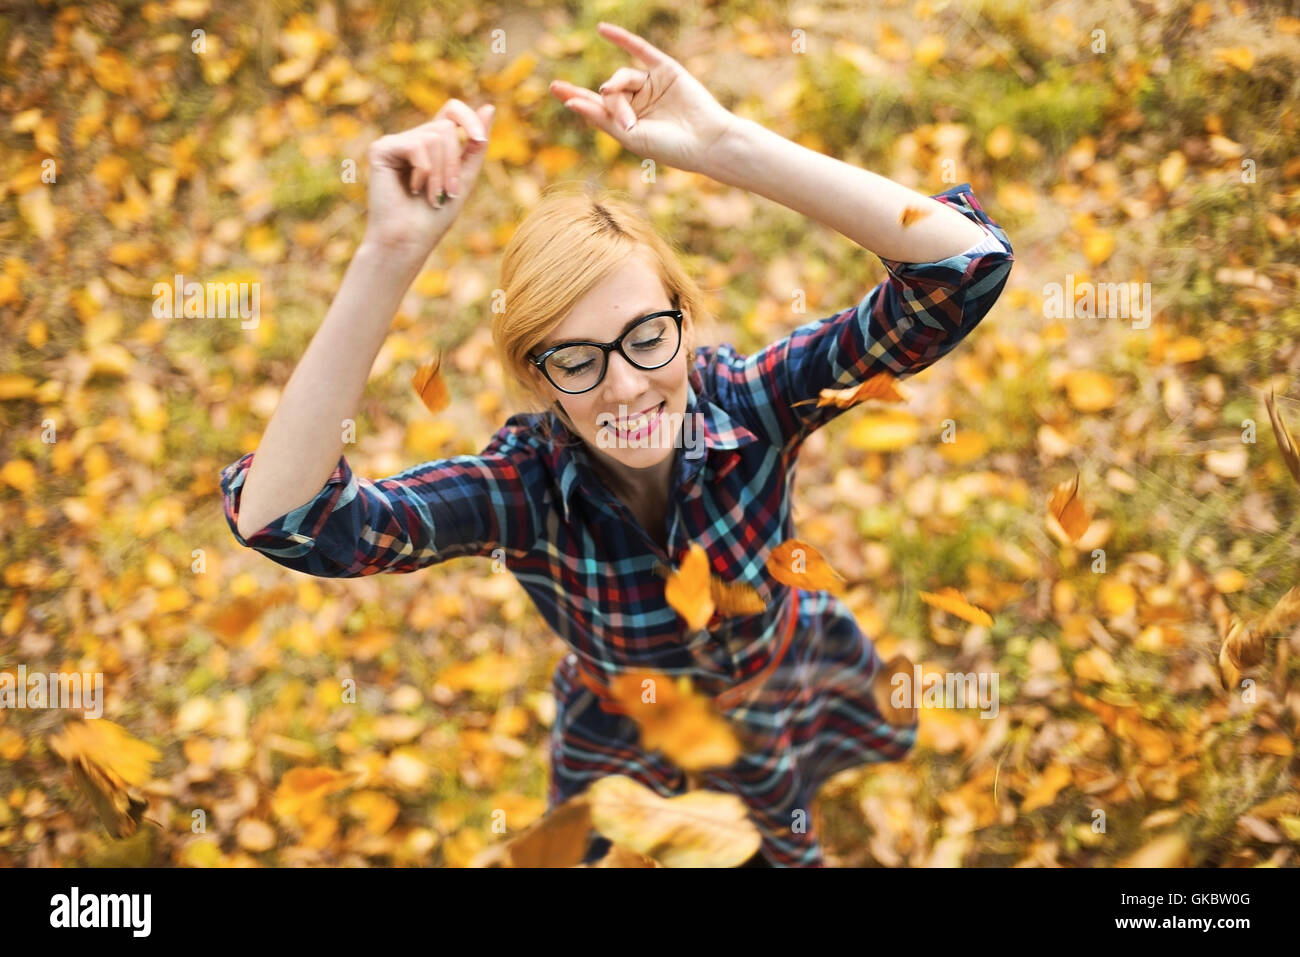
point(649, 414)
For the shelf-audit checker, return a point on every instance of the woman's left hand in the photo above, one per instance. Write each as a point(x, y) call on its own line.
point(674, 119)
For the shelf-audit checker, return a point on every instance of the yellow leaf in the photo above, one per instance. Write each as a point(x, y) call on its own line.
point(696, 829)
point(15, 386)
point(681, 724)
point(955, 603)
point(124, 759)
point(1171, 171)
point(882, 387)
point(1000, 142)
point(1240, 57)
point(1049, 785)
point(886, 431)
point(36, 209)
point(1167, 850)
point(930, 50)
point(1098, 246)
point(735, 598)
point(302, 787)
point(20, 474)
point(967, 446)
point(1089, 391)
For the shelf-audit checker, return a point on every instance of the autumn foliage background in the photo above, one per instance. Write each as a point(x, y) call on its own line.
point(223, 670)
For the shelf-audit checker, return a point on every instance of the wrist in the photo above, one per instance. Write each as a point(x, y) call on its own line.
point(732, 150)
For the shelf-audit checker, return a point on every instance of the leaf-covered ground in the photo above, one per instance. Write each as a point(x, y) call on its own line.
point(1159, 150)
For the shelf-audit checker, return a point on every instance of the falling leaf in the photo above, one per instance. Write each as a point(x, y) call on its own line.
point(557, 840)
point(1285, 442)
point(680, 723)
point(882, 387)
point(105, 760)
point(955, 603)
point(696, 829)
point(1067, 508)
point(798, 564)
point(735, 598)
point(882, 690)
point(430, 387)
point(1240, 57)
point(689, 589)
point(911, 214)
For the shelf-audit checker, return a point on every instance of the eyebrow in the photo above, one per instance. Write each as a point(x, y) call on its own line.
point(626, 326)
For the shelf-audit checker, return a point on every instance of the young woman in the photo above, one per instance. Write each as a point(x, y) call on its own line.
point(641, 442)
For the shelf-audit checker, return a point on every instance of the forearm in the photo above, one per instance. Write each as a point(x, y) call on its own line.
point(860, 204)
point(304, 438)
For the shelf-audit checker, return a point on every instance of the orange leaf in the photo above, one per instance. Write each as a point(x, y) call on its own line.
point(735, 598)
point(682, 724)
point(689, 590)
point(1067, 508)
point(954, 603)
point(430, 387)
point(799, 565)
point(882, 386)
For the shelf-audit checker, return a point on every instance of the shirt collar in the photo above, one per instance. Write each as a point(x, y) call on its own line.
point(722, 437)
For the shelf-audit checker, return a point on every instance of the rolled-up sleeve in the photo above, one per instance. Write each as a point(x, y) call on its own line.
point(912, 318)
point(448, 508)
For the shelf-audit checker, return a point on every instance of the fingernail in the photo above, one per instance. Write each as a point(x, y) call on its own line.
point(629, 124)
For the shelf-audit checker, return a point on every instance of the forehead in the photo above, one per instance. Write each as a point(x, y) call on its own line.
point(631, 291)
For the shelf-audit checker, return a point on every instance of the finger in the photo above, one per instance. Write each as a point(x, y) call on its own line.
point(434, 144)
point(626, 79)
point(565, 91)
point(421, 166)
point(461, 115)
point(620, 109)
point(647, 52)
point(594, 113)
point(451, 162)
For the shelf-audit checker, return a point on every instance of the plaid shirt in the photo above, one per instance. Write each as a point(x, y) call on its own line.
point(794, 679)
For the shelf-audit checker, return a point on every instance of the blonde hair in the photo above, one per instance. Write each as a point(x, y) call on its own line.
point(568, 243)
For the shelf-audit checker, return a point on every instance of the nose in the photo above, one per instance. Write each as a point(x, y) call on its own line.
point(624, 382)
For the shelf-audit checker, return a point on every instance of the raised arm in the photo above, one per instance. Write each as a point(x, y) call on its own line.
point(303, 442)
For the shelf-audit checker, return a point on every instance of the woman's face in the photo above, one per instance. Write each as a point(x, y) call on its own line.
point(631, 292)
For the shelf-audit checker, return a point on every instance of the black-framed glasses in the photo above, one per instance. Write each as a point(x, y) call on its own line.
point(577, 367)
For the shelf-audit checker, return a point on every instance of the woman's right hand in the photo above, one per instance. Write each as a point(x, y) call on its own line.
point(408, 171)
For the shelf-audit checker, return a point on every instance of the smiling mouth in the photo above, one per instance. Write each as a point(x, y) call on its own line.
point(646, 419)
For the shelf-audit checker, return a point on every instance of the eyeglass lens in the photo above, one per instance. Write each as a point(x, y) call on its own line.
point(650, 344)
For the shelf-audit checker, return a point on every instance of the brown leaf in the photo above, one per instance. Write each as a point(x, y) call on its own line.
point(558, 840)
